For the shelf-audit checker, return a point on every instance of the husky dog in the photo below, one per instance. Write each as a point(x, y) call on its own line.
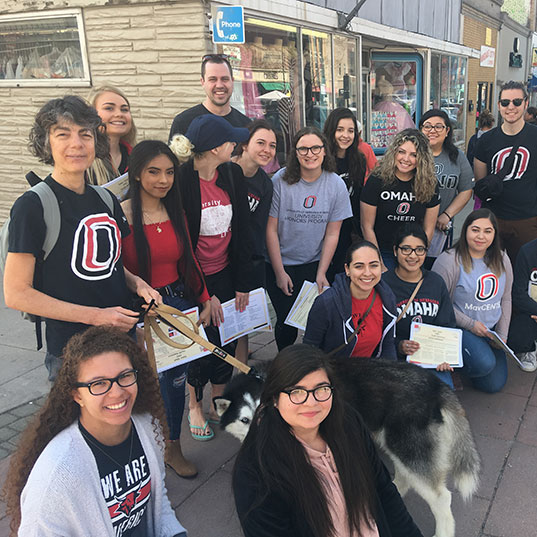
point(412, 415)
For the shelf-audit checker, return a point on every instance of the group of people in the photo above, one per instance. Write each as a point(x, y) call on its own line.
point(203, 224)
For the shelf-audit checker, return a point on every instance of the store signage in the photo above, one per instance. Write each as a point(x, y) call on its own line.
point(228, 25)
point(534, 57)
point(487, 56)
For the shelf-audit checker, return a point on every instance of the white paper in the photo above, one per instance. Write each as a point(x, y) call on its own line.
point(119, 186)
point(239, 323)
point(298, 314)
point(438, 344)
point(436, 246)
point(499, 341)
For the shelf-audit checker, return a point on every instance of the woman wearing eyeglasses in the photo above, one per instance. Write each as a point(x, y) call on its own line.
point(308, 205)
point(91, 462)
point(401, 189)
point(308, 466)
point(453, 171)
point(430, 305)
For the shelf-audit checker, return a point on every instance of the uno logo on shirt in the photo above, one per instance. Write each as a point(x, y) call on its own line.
point(310, 202)
point(96, 247)
point(533, 275)
point(520, 165)
point(403, 208)
point(487, 287)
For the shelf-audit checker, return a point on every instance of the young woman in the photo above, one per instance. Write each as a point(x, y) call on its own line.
point(309, 203)
point(357, 298)
point(114, 109)
point(479, 277)
point(91, 462)
point(258, 151)
point(341, 132)
point(307, 466)
point(216, 206)
point(402, 188)
point(453, 172)
point(159, 250)
point(430, 305)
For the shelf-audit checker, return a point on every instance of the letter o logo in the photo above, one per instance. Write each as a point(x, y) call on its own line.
point(310, 202)
point(403, 208)
point(487, 287)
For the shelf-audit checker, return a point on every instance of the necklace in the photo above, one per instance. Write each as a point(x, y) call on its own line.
point(90, 440)
point(159, 229)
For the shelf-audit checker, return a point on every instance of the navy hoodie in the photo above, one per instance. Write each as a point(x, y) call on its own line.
point(330, 319)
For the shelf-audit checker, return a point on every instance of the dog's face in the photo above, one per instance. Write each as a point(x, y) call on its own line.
point(238, 404)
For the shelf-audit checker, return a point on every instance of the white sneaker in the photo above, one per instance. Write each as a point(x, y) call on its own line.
point(528, 360)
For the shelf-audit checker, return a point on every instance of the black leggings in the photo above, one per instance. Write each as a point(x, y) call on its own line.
point(284, 334)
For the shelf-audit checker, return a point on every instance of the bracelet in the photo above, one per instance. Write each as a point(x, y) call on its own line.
point(444, 212)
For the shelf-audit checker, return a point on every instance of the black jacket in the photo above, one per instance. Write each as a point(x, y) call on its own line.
point(277, 517)
point(230, 179)
point(330, 319)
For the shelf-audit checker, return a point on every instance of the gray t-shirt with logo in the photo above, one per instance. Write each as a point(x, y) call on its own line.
point(478, 294)
point(453, 178)
point(303, 211)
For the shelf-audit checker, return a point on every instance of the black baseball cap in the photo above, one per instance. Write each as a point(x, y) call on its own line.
point(209, 131)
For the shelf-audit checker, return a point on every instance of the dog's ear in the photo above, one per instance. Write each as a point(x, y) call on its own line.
point(221, 404)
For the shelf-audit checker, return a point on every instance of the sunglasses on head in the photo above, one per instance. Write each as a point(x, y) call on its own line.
point(506, 102)
point(209, 57)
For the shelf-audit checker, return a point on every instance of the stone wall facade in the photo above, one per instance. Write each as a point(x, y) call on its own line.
point(151, 50)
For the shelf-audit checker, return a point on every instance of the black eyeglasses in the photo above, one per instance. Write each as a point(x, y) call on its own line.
point(209, 57)
point(407, 250)
point(428, 127)
point(299, 396)
point(506, 102)
point(315, 150)
point(101, 386)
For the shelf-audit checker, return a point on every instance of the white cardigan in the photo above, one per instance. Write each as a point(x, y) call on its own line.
point(63, 495)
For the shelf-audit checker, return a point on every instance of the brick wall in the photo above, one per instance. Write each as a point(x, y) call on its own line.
point(151, 51)
point(474, 36)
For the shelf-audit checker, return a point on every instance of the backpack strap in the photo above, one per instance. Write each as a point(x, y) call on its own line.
point(105, 195)
point(51, 216)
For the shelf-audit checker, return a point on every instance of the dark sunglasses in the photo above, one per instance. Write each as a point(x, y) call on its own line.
point(209, 57)
point(506, 102)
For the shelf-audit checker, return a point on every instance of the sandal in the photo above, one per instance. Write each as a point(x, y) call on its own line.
point(214, 421)
point(201, 437)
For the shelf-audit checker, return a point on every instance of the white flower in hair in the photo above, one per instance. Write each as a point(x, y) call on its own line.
point(182, 147)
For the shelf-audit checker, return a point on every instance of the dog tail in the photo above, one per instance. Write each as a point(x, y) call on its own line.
point(466, 463)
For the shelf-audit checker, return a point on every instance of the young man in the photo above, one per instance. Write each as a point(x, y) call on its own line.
point(217, 82)
point(516, 208)
point(82, 281)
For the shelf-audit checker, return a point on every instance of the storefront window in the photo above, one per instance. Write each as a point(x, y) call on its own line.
point(396, 87)
point(448, 91)
point(37, 48)
point(345, 81)
point(267, 79)
point(317, 72)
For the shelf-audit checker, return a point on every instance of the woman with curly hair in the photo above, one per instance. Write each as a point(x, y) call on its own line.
point(401, 189)
point(114, 109)
point(308, 205)
point(341, 132)
point(91, 462)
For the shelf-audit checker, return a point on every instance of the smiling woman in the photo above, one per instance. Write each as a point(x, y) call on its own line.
point(102, 444)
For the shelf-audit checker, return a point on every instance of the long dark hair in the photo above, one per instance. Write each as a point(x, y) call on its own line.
point(448, 144)
point(292, 171)
point(282, 463)
point(493, 256)
point(356, 245)
point(253, 127)
point(355, 158)
point(141, 155)
point(60, 410)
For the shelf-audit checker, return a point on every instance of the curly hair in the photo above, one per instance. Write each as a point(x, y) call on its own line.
point(425, 181)
point(95, 93)
point(71, 109)
point(292, 172)
point(448, 146)
point(60, 410)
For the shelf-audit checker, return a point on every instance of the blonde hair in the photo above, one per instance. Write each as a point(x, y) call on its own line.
point(182, 147)
point(425, 181)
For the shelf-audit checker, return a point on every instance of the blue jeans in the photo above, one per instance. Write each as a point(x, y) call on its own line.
point(485, 366)
point(388, 259)
point(444, 376)
point(172, 381)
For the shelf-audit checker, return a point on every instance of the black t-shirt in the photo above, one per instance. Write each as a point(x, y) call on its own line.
point(396, 205)
point(259, 198)
point(431, 305)
point(183, 120)
point(85, 266)
point(125, 483)
point(519, 197)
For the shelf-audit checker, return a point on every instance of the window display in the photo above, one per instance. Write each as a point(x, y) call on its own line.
point(34, 47)
point(345, 81)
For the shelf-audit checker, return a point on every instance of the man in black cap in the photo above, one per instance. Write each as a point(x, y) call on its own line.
point(217, 81)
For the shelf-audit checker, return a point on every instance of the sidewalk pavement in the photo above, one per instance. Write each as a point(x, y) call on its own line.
point(504, 425)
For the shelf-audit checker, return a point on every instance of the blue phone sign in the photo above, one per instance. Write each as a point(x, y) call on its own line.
point(228, 25)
